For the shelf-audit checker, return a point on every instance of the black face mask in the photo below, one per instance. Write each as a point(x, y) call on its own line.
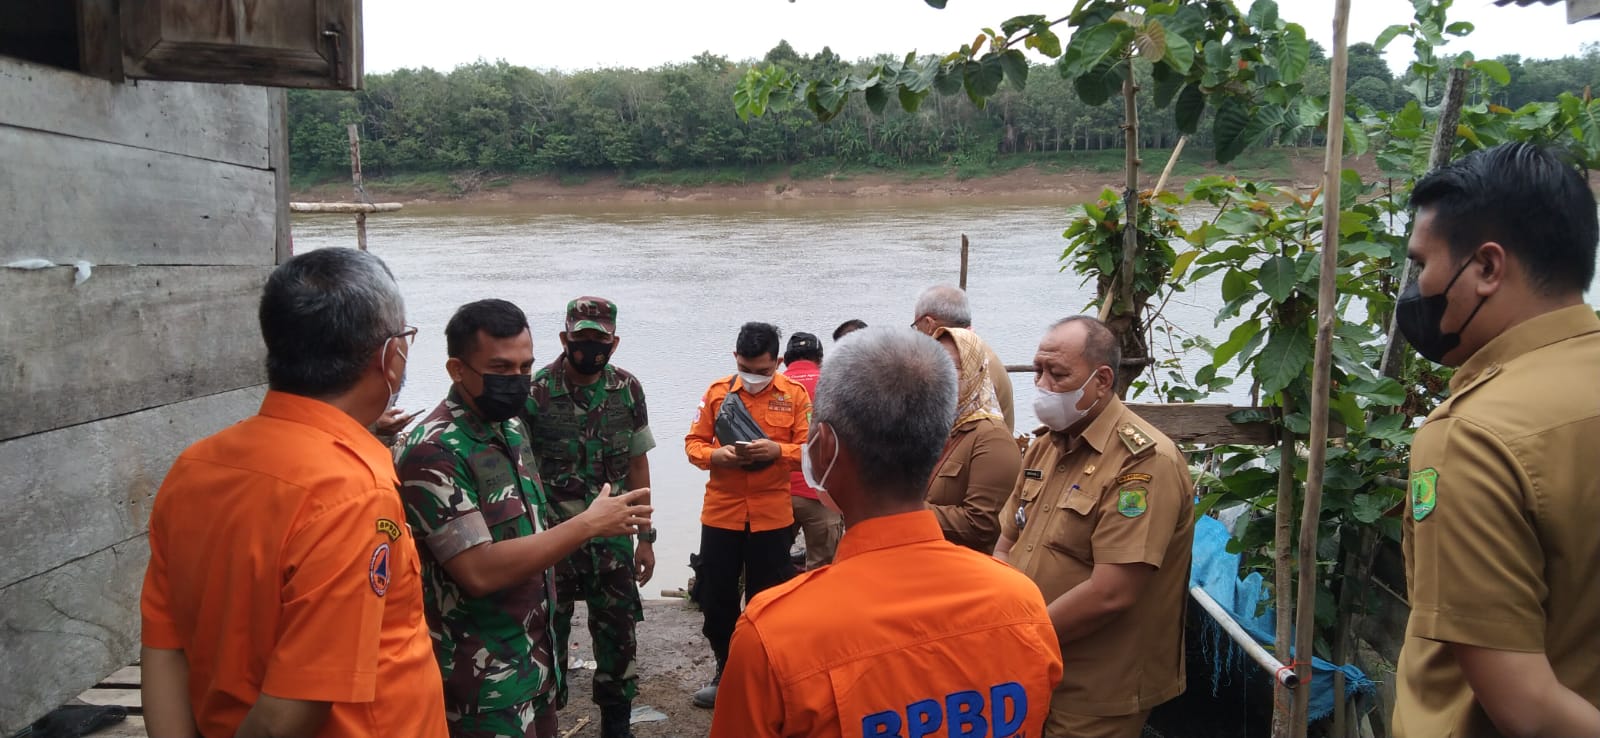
point(588, 357)
point(504, 395)
point(1420, 316)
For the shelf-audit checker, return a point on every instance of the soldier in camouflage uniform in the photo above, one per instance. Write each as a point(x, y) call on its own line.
point(588, 427)
point(473, 497)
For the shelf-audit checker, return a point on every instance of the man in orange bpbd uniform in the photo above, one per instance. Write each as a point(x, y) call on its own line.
point(283, 595)
point(744, 522)
point(905, 634)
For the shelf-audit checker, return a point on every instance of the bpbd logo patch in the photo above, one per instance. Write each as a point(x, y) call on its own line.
point(378, 570)
point(962, 714)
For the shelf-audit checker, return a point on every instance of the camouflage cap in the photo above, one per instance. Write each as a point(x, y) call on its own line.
point(592, 312)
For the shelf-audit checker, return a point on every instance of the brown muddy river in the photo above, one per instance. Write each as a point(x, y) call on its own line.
point(686, 275)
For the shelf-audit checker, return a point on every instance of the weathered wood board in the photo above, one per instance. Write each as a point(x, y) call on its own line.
point(66, 199)
point(223, 123)
point(128, 339)
point(119, 697)
point(1207, 425)
point(72, 493)
point(61, 631)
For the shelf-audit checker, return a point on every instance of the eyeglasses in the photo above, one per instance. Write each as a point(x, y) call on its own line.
point(409, 334)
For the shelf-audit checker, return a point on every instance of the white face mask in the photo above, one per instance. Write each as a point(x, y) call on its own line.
point(755, 382)
point(810, 475)
point(1059, 410)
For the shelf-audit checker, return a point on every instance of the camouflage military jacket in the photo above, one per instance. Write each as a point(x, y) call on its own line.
point(585, 438)
point(465, 482)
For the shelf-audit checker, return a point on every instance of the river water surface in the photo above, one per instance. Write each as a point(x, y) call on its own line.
point(686, 275)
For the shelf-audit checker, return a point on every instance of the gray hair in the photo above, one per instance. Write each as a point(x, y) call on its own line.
point(323, 315)
point(1100, 344)
point(889, 394)
point(947, 304)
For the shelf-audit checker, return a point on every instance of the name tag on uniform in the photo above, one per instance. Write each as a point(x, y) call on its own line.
point(780, 406)
point(1033, 474)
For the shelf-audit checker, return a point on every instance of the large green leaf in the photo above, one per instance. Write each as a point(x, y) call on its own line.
point(911, 100)
point(936, 3)
point(1020, 22)
point(1044, 41)
point(1383, 390)
point(1151, 41)
point(947, 80)
point(1181, 264)
point(1191, 106)
point(1263, 15)
point(1168, 83)
point(1388, 35)
point(982, 79)
point(1180, 52)
point(1294, 54)
point(1285, 358)
point(1237, 339)
point(1015, 65)
point(1494, 70)
point(1278, 278)
point(1230, 128)
point(1235, 284)
point(877, 98)
point(1391, 428)
point(1090, 48)
point(1098, 85)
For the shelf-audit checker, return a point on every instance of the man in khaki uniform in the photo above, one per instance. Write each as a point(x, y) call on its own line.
point(1102, 520)
point(1501, 534)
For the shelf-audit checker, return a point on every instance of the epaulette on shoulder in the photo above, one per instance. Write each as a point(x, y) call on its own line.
point(1138, 440)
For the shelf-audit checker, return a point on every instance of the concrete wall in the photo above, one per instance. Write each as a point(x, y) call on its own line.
point(177, 194)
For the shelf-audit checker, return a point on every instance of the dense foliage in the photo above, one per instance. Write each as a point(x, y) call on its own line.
point(500, 117)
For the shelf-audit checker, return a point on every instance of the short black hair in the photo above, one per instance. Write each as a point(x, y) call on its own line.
point(846, 328)
point(498, 318)
point(1532, 200)
point(757, 339)
point(803, 347)
point(323, 315)
point(1100, 344)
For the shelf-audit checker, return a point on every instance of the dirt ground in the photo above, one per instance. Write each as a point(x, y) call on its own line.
point(674, 661)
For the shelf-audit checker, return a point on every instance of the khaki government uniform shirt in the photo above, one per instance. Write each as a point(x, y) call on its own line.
point(976, 473)
point(1502, 535)
point(1118, 494)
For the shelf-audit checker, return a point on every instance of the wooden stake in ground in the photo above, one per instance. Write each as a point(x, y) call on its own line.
point(1322, 369)
point(1283, 574)
point(355, 179)
point(964, 247)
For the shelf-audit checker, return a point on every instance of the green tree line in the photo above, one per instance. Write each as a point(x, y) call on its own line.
point(506, 118)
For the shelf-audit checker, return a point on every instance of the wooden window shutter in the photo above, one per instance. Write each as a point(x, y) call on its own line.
point(274, 43)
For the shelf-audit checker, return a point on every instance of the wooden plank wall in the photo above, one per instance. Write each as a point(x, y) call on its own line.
point(171, 191)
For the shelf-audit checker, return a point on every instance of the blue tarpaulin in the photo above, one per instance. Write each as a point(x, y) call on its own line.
point(1217, 572)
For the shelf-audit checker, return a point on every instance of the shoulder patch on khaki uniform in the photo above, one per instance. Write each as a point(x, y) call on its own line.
point(1135, 438)
point(1424, 493)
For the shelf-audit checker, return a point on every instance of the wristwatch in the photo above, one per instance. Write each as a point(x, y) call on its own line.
point(648, 536)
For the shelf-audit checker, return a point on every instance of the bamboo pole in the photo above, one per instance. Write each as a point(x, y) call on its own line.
point(1172, 161)
point(360, 191)
point(1283, 676)
point(1322, 367)
point(964, 256)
